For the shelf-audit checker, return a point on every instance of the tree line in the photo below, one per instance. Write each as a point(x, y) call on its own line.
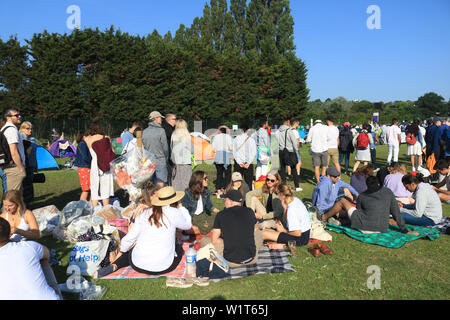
point(235, 61)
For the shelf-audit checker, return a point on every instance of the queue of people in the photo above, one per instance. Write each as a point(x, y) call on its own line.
point(177, 200)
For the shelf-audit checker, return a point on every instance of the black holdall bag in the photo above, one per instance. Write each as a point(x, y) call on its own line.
point(289, 158)
point(5, 153)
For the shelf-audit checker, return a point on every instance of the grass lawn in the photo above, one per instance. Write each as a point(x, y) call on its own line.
point(418, 270)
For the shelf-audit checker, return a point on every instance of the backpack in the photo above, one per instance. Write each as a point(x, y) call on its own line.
point(345, 141)
point(5, 152)
point(411, 139)
point(363, 140)
point(105, 155)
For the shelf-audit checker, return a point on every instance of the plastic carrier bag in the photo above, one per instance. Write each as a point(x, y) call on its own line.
point(88, 255)
point(133, 169)
point(73, 210)
point(47, 218)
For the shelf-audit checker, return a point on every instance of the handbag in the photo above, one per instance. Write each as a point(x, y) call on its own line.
point(289, 158)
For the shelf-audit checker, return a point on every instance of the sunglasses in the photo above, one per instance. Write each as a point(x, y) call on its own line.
point(271, 180)
point(15, 115)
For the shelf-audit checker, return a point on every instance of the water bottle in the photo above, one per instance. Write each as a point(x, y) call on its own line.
point(191, 257)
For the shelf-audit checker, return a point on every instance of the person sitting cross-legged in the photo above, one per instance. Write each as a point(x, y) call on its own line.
point(372, 211)
point(264, 201)
point(235, 234)
point(329, 190)
point(427, 208)
point(297, 220)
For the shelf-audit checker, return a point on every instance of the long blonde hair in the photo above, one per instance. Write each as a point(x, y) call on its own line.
point(181, 132)
point(15, 196)
point(25, 125)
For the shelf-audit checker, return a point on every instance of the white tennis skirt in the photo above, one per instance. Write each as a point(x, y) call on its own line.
point(415, 149)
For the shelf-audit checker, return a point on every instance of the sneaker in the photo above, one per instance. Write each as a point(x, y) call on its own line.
point(413, 169)
point(334, 221)
point(200, 281)
point(298, 189)
point(179, 282)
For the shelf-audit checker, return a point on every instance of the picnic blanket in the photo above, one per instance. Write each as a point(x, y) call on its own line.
point(269, 261)
point(130, 273)
point(391, 239)
point(444, 225)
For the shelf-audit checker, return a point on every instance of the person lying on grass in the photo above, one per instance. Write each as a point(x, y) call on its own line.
point(373, 207)
point(21, 220)
point(297, 220)
point(155, 249)
point(427, 208)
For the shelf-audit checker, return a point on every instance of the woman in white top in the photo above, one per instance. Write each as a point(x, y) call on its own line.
point(153, 236)
point(22, 221)
point(102, 183)
point(297, 219)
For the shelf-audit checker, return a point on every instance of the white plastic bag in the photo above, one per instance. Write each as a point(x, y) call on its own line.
point(47, 218)
point(78, 227)
point(73, 210)
point(132, 170)
point(88, 255)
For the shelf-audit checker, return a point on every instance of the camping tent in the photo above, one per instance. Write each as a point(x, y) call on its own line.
point(62, 149)
point(44, 159)
point(202, 147)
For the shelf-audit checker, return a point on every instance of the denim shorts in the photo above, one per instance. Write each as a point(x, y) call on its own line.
point(160, 174)
point(299, 158)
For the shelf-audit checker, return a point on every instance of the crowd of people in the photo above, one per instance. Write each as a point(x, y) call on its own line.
point(176, 201)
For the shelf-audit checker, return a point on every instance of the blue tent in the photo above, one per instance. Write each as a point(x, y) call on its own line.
point(44, 159)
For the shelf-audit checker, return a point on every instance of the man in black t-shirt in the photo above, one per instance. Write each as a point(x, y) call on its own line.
point(236, 235)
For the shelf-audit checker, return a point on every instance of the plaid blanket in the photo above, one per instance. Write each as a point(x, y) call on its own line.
point(269, 261)
point(443, 225)
point(391, 239)
point(130, 273)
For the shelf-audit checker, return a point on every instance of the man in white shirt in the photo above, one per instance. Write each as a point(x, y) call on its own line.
point(318, 136)
point(15, 170)
point(393, 137)
point(25, 273)
point(333, 143)
point(244, 153)
point(222, 145)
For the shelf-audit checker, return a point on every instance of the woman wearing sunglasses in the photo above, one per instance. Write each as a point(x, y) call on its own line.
point(265, 201)
point(197, 199)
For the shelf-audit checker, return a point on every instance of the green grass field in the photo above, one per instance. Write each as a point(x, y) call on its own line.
point(418, 270)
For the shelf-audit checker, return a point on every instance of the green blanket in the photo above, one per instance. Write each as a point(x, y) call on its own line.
point(391, 239)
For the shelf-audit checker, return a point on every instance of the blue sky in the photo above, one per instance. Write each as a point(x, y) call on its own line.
point(408, 57)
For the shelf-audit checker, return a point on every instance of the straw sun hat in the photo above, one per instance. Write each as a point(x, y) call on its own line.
point(166, 196)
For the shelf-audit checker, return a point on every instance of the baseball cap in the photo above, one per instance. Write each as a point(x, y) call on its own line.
point(234, 195)
point(346, 124)
point(332, 171)
point(318, 121)
point(236, 176)
point(154, 115)
point(436, 119)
